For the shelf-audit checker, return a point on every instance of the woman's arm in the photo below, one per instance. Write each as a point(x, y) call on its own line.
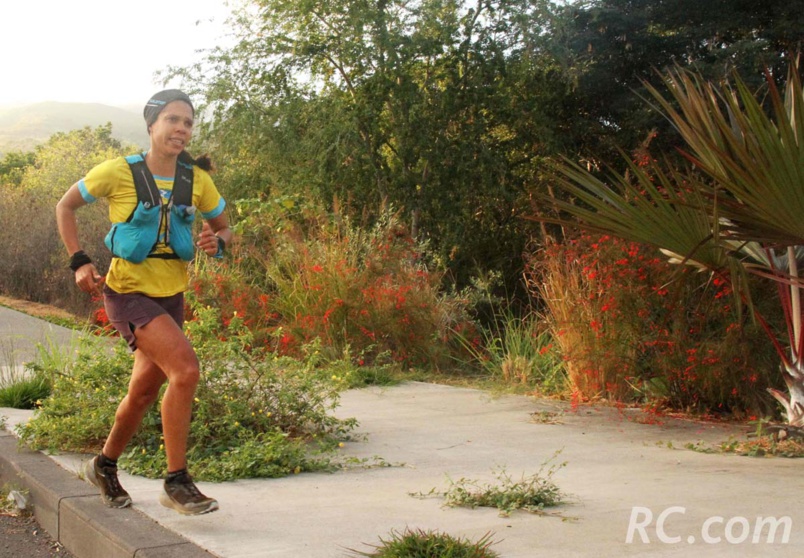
point(86, 277)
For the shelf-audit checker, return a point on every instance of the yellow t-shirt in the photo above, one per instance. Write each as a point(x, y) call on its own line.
point(155, 277)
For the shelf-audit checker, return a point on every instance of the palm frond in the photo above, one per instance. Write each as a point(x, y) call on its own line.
point(755, 157)
point(649, 205)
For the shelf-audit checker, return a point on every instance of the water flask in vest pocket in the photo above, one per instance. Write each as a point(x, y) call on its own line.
point(134, 239)
point(181, 231)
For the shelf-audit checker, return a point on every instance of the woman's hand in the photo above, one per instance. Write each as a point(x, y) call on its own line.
point(88, 279)
point(207, 240)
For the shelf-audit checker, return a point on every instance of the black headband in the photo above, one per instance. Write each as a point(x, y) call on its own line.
point(160, 100)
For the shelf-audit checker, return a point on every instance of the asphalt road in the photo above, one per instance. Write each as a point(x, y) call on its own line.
point(22, 537)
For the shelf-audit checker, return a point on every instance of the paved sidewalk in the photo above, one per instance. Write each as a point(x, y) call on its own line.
point(616, 467)
point(20, 334)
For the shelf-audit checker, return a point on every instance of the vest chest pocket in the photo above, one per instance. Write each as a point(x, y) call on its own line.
point(134, 240)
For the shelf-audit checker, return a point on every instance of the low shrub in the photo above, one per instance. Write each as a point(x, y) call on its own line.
point(21, 386)
point(519, 352)
point(256, 414)
point(24, 393)
point(35, 261)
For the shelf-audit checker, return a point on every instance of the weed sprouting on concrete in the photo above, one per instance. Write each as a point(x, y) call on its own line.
point(427, 544)
point(531, 493)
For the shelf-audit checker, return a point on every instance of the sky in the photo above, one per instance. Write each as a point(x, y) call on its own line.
point(100, 51)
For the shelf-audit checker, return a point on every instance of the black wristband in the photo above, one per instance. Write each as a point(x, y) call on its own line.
point(221, 247)
point(79, 260)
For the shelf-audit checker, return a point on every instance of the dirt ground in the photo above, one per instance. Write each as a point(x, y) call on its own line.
point(21, 537)
point(36, 309)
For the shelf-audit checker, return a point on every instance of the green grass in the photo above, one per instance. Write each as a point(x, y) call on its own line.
point(18, 389)
point(517, 354)
point(429, 544)
point(25, 393)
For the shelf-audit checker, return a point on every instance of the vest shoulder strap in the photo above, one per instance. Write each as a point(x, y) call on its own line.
point(148, 192)
point(183, 184)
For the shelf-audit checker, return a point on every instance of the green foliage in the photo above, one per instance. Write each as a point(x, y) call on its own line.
point(452, 111)
point(612, 46)
point(12, 167)
point(256, 414)
point(78, 415)
point(531, 493)
point(431, 107)
point(21, 387)
point(429, 544)
point(66, 157)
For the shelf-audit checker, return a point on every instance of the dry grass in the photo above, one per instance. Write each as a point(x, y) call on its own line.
point(39, 310)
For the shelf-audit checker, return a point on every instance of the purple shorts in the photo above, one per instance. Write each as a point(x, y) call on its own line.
point(127, 312)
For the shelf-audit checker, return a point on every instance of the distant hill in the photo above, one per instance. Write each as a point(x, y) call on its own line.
point(23, 127)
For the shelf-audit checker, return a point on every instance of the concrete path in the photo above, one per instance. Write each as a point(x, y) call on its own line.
point(631, 487)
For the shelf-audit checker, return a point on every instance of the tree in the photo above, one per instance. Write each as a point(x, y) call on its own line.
point(13, 165)
point(437, 108)
point(735, 211)
point(66, 157)
point(612, 47)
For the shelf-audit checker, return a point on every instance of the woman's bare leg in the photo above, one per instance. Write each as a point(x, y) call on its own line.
point(163, 343)
point(143, 389)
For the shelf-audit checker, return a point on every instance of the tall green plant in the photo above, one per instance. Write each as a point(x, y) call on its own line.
point(256, 414)
point(736, 210)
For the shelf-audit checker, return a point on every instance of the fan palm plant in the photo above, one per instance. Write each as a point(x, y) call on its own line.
point(736, 208)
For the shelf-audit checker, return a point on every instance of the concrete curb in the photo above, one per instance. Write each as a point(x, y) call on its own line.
point(70, 510)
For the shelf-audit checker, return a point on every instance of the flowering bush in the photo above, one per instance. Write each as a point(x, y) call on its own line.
point(632, 327)
point(368, 293)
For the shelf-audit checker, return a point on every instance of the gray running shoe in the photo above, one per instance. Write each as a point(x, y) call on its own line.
point(183, 496)
point(105, 478)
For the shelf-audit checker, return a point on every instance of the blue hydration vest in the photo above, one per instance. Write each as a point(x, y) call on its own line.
point(136, 238)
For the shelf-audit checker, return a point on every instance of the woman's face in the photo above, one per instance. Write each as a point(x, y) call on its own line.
point(173, 128)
